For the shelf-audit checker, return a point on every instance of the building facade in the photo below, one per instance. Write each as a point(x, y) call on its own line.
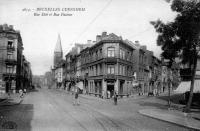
point(14, 69)
point(73, 64)
point(107, 66)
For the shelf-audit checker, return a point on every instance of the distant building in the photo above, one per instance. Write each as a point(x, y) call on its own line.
point(58, 53)
point(72, 69)
point(48, 79)
point(57, 70)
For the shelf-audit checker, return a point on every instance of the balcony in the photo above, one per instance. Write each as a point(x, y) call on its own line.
point(111, 60)
point(9, 75)
point(10, 48)
point(110, 76)
point(11, 61)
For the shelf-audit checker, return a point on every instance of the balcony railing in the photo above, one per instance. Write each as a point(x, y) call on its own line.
point(110, 76)
point(9, 75)
point(111, 60)
point(10, 61)
point(11, 48)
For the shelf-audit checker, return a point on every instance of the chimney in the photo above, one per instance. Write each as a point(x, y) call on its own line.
point(98, 38)
point(104, 34)
point(89, 42)
point(137, 43)
point(11, 27)
point(144, 47)
point(5, 27)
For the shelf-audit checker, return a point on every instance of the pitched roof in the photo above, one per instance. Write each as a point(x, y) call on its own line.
point(58, 47)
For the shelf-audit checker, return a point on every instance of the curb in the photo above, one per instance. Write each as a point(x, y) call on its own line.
point(13, 103)
point(173, 122)
point(6, 100)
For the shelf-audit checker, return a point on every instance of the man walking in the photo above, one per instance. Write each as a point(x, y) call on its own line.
point(76, 101)
point(115, 98)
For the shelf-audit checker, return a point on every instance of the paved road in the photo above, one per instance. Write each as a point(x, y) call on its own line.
point(53, 110)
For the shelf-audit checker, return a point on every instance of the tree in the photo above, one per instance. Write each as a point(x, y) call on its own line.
point(180, 38)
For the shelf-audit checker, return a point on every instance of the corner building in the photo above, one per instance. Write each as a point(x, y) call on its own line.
point(107, 66)
point(12, 62)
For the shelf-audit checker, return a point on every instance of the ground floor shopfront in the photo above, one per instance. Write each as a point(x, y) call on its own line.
point(106, 87)
point(145, 87)
point(12, 84)
point(8, 84)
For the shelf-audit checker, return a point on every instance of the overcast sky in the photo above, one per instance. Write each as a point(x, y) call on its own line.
point(127, 18)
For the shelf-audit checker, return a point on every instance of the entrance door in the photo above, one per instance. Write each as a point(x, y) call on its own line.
point(111, 89)
point(8, 85)
point(121, 87)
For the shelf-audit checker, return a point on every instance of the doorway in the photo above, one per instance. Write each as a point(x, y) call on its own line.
point(8, 86)
point(110, 88)
point(121, 85)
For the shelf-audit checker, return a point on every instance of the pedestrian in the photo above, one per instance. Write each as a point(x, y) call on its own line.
point(21, 94)
point(76, 101)
point(25, 91)
point(115, 98)
point(108, 92)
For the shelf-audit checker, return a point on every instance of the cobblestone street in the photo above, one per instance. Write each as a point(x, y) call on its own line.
point(53, 110)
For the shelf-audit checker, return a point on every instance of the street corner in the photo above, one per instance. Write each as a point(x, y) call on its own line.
point(172, 116)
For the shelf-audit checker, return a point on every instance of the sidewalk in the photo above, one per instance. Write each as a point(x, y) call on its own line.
point(14, 99)
point(189, 120)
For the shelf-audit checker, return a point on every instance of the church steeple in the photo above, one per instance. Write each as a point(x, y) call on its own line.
point(58, 47)
point(58, 53)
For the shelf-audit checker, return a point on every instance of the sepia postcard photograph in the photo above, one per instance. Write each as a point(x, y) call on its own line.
point(99, 65)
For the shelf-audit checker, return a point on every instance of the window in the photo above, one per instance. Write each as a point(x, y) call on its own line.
point(128, 55)
point(111, 52)
point(120, 69)
point(111, 69)
point(123, 70)
point(10, 44)
point(9, 69)
point(10, 55)
point(122, 54)
point(96, 55)
point(128, 71)
point(100, 53)
point(101, 69)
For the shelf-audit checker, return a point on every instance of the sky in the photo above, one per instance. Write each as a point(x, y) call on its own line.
point(127, 18)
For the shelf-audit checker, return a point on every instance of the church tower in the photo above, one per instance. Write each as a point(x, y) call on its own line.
point(58, 53)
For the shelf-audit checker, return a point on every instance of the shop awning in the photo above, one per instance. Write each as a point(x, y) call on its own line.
point(185, 86)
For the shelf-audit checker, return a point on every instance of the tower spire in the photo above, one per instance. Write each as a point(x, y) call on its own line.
point(58, 47)
point(58, 53)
